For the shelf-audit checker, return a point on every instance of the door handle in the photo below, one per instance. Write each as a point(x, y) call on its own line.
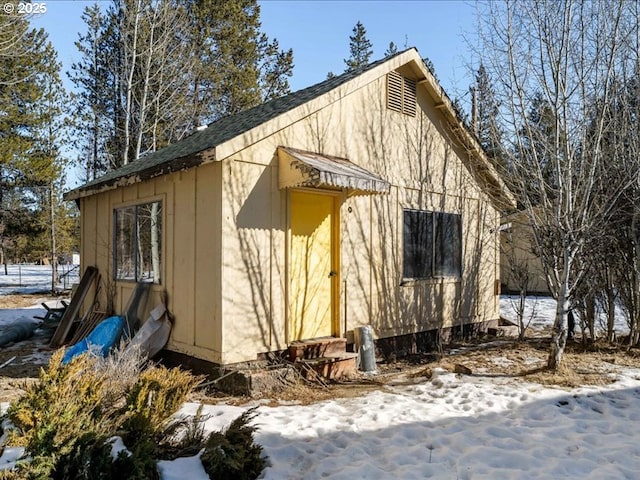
point(332, 273)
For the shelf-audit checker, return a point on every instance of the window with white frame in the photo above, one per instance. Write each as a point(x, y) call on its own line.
point(138, 242)
point(432, 245)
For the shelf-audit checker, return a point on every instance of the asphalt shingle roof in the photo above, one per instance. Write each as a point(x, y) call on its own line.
point(180, 155)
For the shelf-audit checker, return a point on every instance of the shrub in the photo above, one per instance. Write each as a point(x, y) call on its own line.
point(10, 475)
point(233, 454)
point(183, 436)
point(156, 396)
point(62, 419)
point(65, 419)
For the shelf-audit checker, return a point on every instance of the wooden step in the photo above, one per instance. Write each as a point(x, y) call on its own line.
point(317, 348)
point(332, 366)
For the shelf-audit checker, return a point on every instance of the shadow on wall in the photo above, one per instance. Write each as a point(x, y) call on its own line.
point(416, 156)
point(433, 179)
point(259, 230)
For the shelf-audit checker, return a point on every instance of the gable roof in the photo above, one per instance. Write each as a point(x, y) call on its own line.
point(180, 155)
point(199, 147)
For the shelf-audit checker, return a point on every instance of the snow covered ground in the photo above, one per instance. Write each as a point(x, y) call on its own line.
point(26, 279)
point(450, 427)
point(446, 426)
point(540, 312)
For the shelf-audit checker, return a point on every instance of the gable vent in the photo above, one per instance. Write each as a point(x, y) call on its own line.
point(401, 94)
point(394, 92)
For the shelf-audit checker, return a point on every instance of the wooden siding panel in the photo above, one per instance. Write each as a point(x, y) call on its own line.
point(88, 236)
point(184, 256)
point(146, 190)
point(88, 231)
point(130, 193)
point(208, 325)
point(164, 187)
point(247, 266)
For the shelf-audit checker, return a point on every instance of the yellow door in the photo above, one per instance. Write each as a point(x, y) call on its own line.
point(311, 265)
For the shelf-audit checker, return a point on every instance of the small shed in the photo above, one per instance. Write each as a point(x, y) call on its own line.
point(361, 200)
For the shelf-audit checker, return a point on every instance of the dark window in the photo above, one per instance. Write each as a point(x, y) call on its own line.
point(432, 243)
point(138, 242)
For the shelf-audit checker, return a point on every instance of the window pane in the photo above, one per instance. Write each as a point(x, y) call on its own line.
point(448, 245)
point(417, 244)
point(138, 242)
point(149, 242)
point(125, 243)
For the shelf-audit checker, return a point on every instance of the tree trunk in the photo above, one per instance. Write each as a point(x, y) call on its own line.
point(559, 333)
point(131, 58)
point(54, 249)
point(521, 308)
point(591, 317)
point(611, 313)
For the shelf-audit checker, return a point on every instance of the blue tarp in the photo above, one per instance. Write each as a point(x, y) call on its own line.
point(100, 341)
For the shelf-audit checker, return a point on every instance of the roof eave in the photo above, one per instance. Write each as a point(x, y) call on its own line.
point(502, 198)
point(175, 165)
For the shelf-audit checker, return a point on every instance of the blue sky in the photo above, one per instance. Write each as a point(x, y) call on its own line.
point(318, 31)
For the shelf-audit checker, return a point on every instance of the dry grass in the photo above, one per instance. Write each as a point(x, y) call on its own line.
point(22, 301)
point(522, 361)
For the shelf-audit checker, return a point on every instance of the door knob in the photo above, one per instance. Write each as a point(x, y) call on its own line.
point(332, 273)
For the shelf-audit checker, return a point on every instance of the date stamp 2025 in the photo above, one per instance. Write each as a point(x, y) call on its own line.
point(24, 8)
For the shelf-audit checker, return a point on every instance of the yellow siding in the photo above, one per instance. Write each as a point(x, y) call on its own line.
point(416, 155)
point(183, 259)
point(190, 253)
point(517, 252)
point(226, 230)
point(251, 224)
point(208, 327)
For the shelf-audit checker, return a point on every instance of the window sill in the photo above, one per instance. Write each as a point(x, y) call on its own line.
point(412, 282)
point(133, 282)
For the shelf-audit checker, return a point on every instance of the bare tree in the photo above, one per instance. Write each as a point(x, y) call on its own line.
point(152, 38)
point(561, 56)
point(519, 275)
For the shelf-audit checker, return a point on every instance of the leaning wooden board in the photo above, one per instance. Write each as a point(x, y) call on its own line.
point(59, 337)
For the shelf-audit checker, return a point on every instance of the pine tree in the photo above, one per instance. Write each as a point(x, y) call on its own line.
point(25, 77)
point(153, 70)
point(92, 80)
point(392, 49)
point(47, 153)
point(360, 48)
point(34, 123)
point(276, 66)
point(238, 66)
point(485, 118)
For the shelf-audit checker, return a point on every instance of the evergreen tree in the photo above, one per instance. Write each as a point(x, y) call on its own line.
point(392, 49)
point(153, 70)
point(32, 124)
point(92, 79)
point(360, 48)
point(485, 118)
point(47, 155)
point(276, 66)
point(232, 28)
point(238, 66)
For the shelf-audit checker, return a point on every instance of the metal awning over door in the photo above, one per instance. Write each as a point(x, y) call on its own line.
point(299, 168)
